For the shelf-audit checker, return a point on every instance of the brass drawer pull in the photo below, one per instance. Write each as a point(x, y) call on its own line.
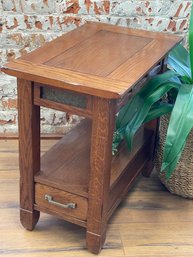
point(67, 206)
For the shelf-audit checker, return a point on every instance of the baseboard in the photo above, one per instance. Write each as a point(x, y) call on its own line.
point(10, 136)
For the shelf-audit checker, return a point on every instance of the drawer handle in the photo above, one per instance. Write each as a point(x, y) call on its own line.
point(67, 206)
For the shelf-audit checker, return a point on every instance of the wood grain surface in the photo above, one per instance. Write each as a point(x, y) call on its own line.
point(122, 59)
point(80, 211)
point(58, 165)
point(149, 223)
point(29, 147)
point(100, 172)
point(96, 56)
point(97, 59)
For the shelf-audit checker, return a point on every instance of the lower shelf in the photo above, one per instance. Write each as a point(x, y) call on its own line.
point(66, 165)
point(65, 171)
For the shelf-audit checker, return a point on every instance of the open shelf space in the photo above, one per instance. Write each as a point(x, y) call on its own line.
point(66, 165)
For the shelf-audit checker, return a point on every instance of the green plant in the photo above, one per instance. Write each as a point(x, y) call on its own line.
point(177, 83)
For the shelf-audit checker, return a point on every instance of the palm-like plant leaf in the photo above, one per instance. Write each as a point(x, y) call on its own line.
point(133, 115)
point(191, 41)
point(179, 61)
point(135, 111)
point(181, 121)
point(142, 113)
point(130, 110)
point(179, 128)
point(181, 55)
point(143, 107)
point(157, 110)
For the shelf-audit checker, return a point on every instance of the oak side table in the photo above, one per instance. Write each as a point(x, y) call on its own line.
point(92, 72)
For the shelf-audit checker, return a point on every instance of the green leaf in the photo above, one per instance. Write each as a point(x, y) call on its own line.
point(186, 80)
point(180, 125)
point(173, 164)
point(118, 136)
point(131, 109)
point(181, 55)
point(156, 81)
point(158, 110)
point(128, 111)
point(191, 40)
point(152, 98)
point(178, 66)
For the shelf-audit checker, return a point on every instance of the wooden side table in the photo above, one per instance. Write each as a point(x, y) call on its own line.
point(92, 72)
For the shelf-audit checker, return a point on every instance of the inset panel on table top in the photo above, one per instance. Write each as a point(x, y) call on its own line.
point(101, 54)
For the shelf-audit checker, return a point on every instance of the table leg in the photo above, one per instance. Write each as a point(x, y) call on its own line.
point(154, 126)
point(99, 184)
point(29, 152)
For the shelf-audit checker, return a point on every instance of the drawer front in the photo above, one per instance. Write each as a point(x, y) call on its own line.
point(61, 202)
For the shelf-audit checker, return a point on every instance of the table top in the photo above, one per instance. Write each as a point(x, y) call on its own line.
point(97, 59)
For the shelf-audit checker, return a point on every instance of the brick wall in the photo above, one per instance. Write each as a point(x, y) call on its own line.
point(28, 24)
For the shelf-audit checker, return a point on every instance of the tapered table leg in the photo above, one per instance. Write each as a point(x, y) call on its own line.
point(99, 182)
point(29, 152)
point(154, 126)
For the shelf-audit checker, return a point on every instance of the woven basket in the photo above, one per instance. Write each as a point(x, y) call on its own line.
point(181, 181)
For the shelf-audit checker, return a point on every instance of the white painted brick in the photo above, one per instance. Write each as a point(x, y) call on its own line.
point(56, 129)
point(178, 9)
point(28, 24)
point(38, 6)
point(7, 116)
point(7, 5)
point(9, 129)
point(7, 86)
point(1, 8)
point(83, 7)
point(135, 8)
point(28, 6)
point(59, 118)
point(47, 116)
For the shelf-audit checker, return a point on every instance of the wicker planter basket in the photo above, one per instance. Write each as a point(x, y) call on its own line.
point(181, 181)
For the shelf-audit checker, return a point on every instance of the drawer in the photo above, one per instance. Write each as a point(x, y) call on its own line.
point(61, 202)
